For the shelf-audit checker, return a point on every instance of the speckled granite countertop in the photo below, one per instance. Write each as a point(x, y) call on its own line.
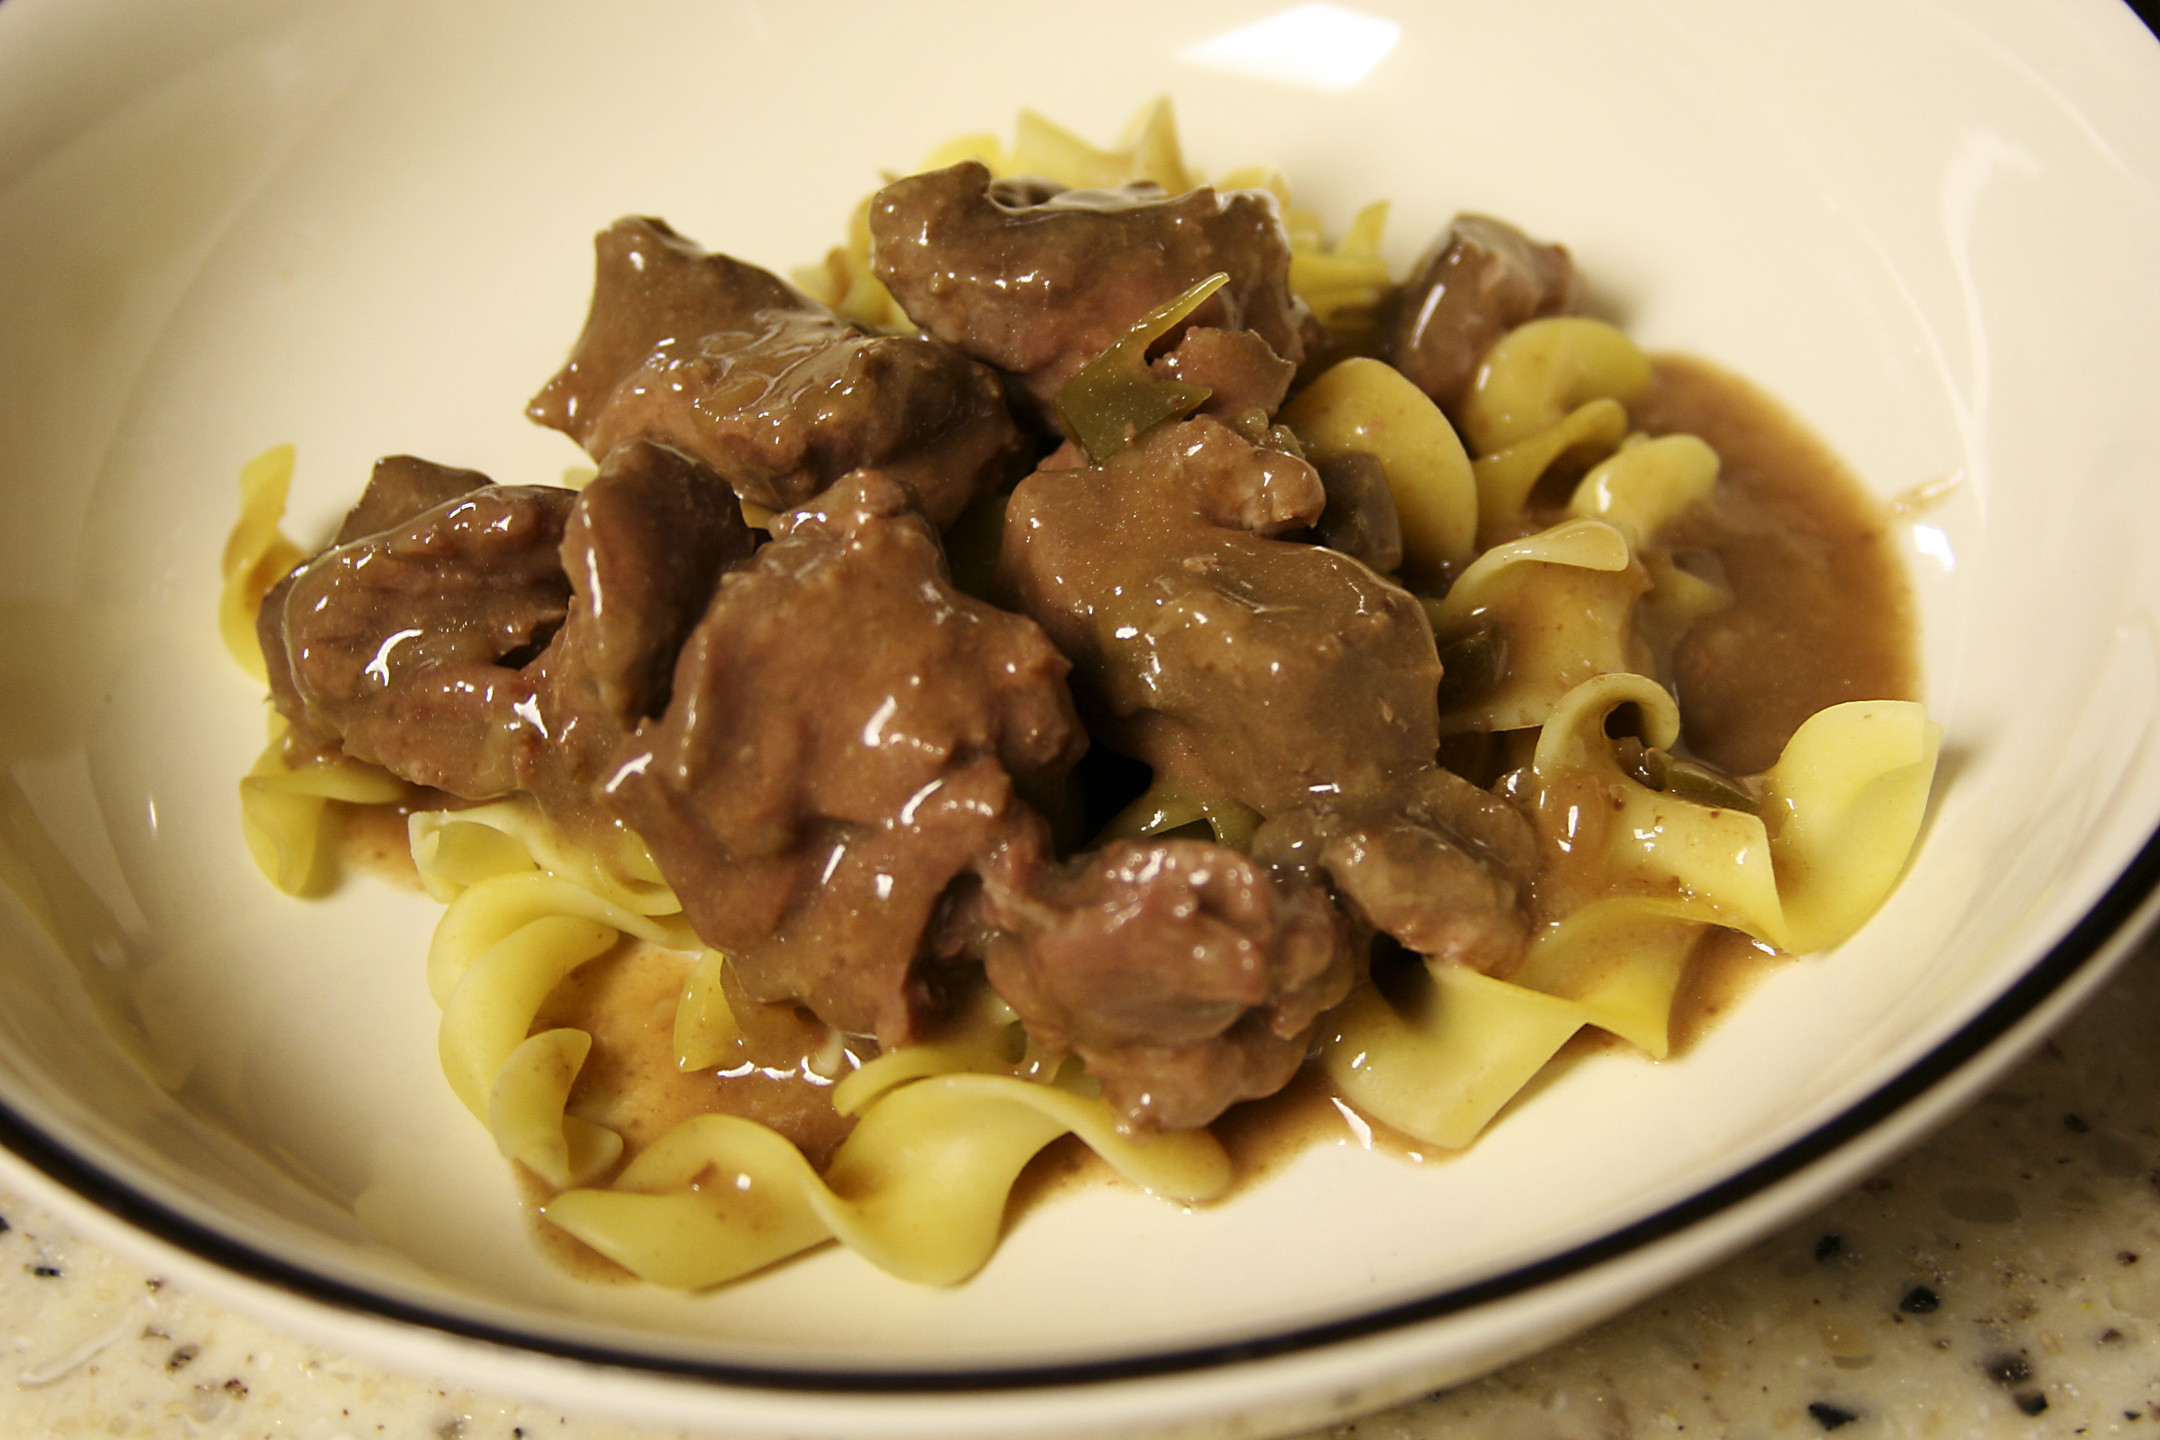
point(2004, 1280)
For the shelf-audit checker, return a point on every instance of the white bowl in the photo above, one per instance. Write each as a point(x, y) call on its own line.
point(363, 227)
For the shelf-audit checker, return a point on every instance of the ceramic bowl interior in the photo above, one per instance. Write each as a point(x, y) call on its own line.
point(364, 228)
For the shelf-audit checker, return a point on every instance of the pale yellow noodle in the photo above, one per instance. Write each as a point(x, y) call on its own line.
point(918, 1188)
point(1558, 603)
point(1542, 369)
point(525, 1111)
point(257, 554)
point(1506, 477)
point(1364, 406)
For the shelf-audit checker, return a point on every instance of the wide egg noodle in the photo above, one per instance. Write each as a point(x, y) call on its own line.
point(455, 848)
point(1621, 959)
point(1556, 606)
point(257, 555)
point(1844, 805)
point(1364, 405)
point(1165, 808)
point(1542, 369)
point(495, 908)
point(1847, 796)
point(1715, 861)
point(919, 1188)
point(285, 808)
point(991, 1043)
point(1506, 477)
point(1646, 485)
point(1441, 1067)
point(705, 1024)
point(525, 1111)
point(501, 991)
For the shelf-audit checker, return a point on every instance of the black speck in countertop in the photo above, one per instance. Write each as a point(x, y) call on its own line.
point(2032, 1402)
point(2076, 1125)
point(237, 1388)
point(44, 1272)
point(1920, 1301)
point(2126, 1257)
point(4, 1226)
point(1829, 1247)
point(181, 1357)
point(2008, 1370)
point(1831, 1416)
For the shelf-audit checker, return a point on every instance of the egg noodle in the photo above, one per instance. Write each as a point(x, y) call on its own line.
point(1796, 857)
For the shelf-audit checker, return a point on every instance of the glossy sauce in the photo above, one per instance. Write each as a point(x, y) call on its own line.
point(1821, 611)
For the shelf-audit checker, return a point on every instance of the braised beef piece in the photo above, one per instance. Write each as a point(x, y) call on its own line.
point(399, 488)
point(728, 363)
point(1182, 973)
point(1040, 289)
point(643, 551)
point(410, 646)
point(1443, 869)
point(1244, 376)
point(847, 744)
point(1480, 280)
point(1268, 671)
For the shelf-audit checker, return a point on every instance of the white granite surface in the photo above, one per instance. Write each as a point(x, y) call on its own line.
point(2003, 1280)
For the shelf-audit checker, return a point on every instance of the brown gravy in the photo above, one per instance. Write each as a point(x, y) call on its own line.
point(1821, 612)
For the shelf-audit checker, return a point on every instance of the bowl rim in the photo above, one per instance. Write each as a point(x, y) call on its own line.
point(2089, 945)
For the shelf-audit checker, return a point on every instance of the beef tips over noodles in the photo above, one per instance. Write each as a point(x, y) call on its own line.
point(1070, 676)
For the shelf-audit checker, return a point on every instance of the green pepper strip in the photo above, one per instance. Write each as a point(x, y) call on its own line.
point(1115, 399)
point(1686, 779)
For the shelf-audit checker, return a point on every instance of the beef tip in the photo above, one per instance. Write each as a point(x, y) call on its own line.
point(1444, 869)
point(644, 550)
point(1360, 518)
point(1276, 673)
point(411, 645)
point(1039, 290)
point(1180, 972)
point(849, 738)
point(1479, 281)
point(780, 396)
point(1242, 372)
point(398, 489)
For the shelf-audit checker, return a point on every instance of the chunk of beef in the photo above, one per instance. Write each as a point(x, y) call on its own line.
point(1242, 372)
point(1181, 973)
point(410, 646)
point(1279, 674)
point(399, 488)
point(849, 739)
point(1480, 280)
point(1039, 290)
point(644, 550)
point(1443, 868)
point(728, 363)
